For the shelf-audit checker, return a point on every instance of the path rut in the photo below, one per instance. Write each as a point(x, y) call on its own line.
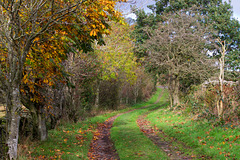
point(152, 133)
point(102, 147)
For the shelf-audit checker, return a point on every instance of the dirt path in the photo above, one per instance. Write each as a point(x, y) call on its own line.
point(102, 147)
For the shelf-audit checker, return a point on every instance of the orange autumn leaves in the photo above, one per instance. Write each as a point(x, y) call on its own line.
point(43, 65)
point(96, 11)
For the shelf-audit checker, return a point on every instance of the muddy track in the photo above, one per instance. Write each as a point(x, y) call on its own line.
point(102, 147)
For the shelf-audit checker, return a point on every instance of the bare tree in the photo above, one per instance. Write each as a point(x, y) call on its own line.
point(223, 49)
point(178, 48)
point(22, 21)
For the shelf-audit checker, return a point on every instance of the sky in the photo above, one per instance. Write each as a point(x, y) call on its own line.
point(236, 8)
point(144, 3)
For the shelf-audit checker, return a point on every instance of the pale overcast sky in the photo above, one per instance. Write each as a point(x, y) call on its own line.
point(144, 3)
point(236, 8)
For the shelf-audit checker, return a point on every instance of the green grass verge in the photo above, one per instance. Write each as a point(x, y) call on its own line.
point(129, 141)
point(202, 137)
point(71, 141)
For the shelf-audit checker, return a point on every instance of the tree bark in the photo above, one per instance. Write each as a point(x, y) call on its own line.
point(35, 132)
point(14, 105)
point(170, 90)
point(97, 94)
point(176, 100)
point(173, 88)
point(42, 126)
point(136, 92)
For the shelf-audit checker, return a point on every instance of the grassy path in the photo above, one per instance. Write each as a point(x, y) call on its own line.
point(157, 136)
point(129, 141)
point(102, 146)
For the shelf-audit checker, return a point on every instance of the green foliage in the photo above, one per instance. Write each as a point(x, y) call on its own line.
point(218, 14)
point(140, 35)
point(179, 52)
point(233, 62)
point(231, 75)
point(120, 78)
point(117, 56)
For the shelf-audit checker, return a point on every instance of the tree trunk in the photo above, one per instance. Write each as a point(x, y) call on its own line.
point(42, 126)
point(173, 88)
point(39, 129)
point(35, 132)
point(120, 95)
point(127, 101)
point(61, 103)
point(97, 94)
point(170, 90)
point(221, 79)
point(13, 105)
point(176, 100)
point(121, 101)
point(136, 93)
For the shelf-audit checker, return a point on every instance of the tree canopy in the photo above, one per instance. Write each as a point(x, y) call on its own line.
point(218, 14)
point(178, 48)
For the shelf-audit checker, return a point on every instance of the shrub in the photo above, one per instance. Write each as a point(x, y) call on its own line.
point(202, 101)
